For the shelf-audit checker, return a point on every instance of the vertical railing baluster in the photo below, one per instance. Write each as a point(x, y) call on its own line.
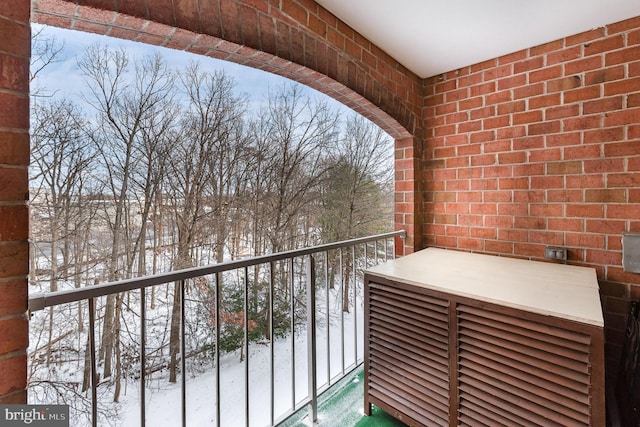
point(342, 307)
point(328, 315)
point(355, 305)
point(366, 256)
point(393, 253)
point(217, 316)
point(143, 355)
point(183, 359)
point(246, 345)
point(386, 250)
point(311, 338)
point(293, 335)
point(94, 373)
point(375, 253)
point(271, 346)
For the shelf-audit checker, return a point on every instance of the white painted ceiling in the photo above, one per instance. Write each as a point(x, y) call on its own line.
point(431, 37)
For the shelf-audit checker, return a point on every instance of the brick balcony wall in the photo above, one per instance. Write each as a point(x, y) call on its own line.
point(542, 147)
point(15, 48)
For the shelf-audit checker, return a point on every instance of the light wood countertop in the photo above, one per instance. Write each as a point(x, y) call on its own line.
point(559, 290)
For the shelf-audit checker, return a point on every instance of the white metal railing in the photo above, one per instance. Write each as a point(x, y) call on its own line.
point(306, 284)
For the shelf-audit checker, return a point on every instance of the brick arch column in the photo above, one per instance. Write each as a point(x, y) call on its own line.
point(408, 193)
point(15, 48)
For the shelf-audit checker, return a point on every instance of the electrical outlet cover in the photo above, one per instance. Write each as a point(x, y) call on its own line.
point(631, 252)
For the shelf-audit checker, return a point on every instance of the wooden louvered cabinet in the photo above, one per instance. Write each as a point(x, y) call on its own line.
point(460, 339)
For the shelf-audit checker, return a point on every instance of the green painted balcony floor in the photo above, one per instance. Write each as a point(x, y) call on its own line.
point(342, 406)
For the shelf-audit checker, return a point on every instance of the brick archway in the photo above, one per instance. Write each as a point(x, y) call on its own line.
point(299, 40)
point(325, 55)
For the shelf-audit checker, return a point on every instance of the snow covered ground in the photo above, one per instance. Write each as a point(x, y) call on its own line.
point(164, 401)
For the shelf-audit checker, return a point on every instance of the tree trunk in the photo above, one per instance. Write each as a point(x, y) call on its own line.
point(183, 261)
point(346, 285)
point(118, 379)
point(106, 350)
point(53, 285)
point(174, 334)
point(142, 250)
point(78, 251)
point(86, 378)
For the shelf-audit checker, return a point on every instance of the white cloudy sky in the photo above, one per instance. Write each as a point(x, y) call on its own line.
point(64, 77)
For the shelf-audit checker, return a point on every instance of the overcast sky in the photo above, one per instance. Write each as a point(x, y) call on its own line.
point(64, 77)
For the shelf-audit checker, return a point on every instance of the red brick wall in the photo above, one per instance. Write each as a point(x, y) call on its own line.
point(14, 158)
point(542, 147)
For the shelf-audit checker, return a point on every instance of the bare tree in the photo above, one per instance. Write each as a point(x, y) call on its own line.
point(356, 197)
point(45, 51)
point(261, 151)
point(299, 133)
point(289, 139)
point(62, 158)
point(156, 140)
point(128, 100)
point(199, 177)
point(355, 194)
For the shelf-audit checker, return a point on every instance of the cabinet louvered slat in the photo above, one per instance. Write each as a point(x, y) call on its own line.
point(559, 337)
point(410, 362)
point(514, 413)
point(501, 331)
point(410, 331)
point(422, 322)
point(524, 357)
point(420, 361)
point(516, 351)
point(418, 378)
point(421, 414)
point(479, 414)
point(420, 391)
point(522, 373)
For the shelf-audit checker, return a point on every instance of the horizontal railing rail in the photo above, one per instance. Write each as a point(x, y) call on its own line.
point(40, 301)
point(345, 271)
